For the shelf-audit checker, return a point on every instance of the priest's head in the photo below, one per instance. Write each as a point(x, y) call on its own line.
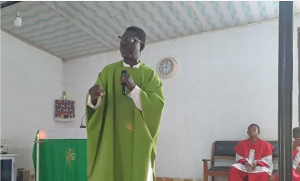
point(132, 43)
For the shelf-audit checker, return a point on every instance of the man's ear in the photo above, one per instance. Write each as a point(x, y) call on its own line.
point(142, 47)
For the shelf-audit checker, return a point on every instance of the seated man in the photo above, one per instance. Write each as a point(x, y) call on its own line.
point(254, 158)
point(296, 155)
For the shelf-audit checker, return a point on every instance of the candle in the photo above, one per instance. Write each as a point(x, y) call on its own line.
point(37, 157)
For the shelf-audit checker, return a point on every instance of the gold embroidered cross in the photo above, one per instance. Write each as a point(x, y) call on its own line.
point(129, 126)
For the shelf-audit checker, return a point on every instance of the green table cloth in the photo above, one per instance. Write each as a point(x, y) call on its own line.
point(62, 155)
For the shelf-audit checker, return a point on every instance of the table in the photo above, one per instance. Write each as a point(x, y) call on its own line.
point(62, 155)
point(8, 169)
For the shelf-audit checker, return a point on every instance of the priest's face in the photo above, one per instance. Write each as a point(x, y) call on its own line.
point(130, 47)
point(253, 131)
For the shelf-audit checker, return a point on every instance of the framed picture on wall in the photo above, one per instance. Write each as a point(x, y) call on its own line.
point(64, 110)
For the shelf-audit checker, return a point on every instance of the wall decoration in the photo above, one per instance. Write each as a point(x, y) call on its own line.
point(64, 110)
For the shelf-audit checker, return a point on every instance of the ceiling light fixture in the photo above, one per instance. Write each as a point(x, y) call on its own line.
point(18, 19)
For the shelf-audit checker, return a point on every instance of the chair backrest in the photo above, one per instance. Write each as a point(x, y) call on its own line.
point(224, 149)
point(275, 144)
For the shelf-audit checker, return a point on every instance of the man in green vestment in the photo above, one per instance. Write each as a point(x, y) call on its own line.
point(122, 129)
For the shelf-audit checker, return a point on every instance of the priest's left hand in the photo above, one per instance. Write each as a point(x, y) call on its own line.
point(129, 82)
point(254, 166)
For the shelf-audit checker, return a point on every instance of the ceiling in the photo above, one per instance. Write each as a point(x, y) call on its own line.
point(74, 29)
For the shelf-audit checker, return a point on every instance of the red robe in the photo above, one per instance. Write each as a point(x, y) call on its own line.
point(296, 156)
point(259, 152)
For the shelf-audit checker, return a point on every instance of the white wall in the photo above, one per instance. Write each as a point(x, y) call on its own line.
point(226, 80)
point(31, 81)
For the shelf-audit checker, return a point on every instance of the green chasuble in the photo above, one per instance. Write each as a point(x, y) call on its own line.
point(121, 139)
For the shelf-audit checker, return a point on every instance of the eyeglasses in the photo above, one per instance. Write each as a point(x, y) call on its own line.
point(129, 39)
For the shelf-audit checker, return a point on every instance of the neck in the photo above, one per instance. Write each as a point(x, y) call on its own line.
point(131, 62)
point(253, 139)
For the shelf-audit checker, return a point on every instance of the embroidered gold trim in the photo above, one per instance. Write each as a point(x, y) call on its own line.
point(129, 126)
point(70, 156)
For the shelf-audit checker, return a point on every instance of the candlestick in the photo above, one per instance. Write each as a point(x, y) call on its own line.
point(37, 157)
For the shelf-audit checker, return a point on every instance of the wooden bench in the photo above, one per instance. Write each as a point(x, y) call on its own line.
point(222, 151)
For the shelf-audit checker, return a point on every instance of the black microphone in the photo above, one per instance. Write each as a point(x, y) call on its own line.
point(81, 125)
point(124, 92)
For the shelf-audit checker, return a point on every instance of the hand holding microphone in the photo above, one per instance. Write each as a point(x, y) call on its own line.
point(126, 81)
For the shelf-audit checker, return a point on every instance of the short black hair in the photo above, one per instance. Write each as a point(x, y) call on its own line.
point(254, 125)
point(139, 31)
point(296, 132)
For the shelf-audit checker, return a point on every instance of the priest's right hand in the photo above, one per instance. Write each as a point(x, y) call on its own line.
point(248, 166)
point(95, 92)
